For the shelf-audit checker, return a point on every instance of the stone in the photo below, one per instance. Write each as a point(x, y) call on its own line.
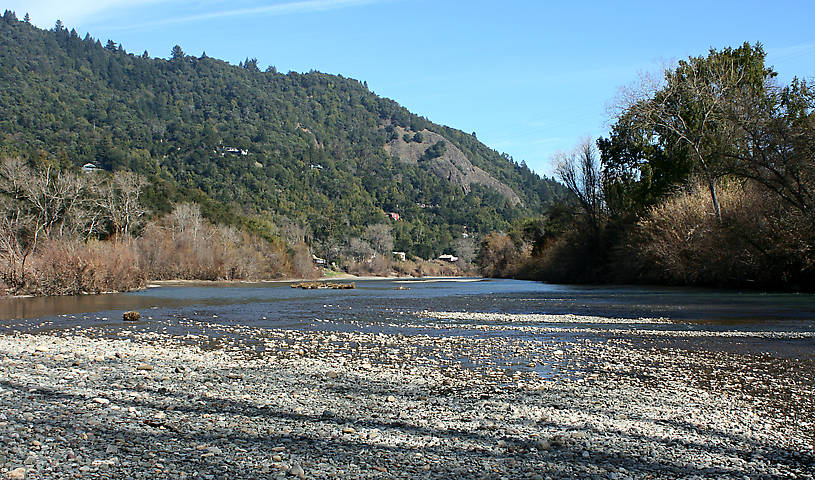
point(297, 471)
point(145, 367)
point(101, 401)
point(348, 430)
point(543, 444)
point(16, 474)
point(391, 399)
point(131, 316)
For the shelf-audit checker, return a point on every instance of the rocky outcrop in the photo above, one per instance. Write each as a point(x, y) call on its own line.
point(453, 165)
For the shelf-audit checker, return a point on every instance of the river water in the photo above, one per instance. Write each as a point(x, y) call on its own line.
point(778, 325)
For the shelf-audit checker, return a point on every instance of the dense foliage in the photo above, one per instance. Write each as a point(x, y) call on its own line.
point(249, 146)
point(707, 178)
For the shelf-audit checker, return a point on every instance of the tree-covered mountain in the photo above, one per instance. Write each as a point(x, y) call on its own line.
point(255, 146)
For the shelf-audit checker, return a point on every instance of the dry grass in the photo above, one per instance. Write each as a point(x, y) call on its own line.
point(758, 242)
point(74, 267)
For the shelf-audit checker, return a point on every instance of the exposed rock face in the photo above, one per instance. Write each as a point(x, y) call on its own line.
point(452, 165)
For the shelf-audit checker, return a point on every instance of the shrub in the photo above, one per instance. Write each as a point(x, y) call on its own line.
point(759, 241)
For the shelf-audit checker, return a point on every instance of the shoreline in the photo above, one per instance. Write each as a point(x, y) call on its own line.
point(188, 282)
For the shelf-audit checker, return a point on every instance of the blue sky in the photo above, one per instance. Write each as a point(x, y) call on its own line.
point(529, 77)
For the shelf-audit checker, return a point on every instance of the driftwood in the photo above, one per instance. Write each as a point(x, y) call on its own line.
point(323, 285)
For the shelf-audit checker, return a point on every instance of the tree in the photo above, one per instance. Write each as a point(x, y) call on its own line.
point(118, 198)
point(497, 255)
point(379, 237)
point(688, 108)
point(177, 54)
point(27, 18)
point(581, 172)
point(775, 142)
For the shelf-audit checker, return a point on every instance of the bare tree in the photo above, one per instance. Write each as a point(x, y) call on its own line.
point(581, 172)
point(291, 231)
point(118, 198)
point(379, 237)
point(359, 249)
point(465, 248)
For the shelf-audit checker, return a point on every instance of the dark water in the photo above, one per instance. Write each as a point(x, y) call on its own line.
point(380, 306)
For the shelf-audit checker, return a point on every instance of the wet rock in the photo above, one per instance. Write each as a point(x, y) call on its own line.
point(131, 316)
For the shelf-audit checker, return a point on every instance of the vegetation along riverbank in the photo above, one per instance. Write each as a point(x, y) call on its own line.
point(707, 178)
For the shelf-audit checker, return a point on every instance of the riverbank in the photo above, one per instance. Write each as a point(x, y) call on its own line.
point(242, 402)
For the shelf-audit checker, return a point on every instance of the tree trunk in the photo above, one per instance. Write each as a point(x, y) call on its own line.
point(716, 209)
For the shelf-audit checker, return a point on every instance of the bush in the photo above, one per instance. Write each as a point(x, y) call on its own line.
point(74, 267)
point(759, 241)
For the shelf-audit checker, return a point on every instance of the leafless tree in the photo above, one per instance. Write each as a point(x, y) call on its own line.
point(291, 231)
point(465, 248)
point(379, 237)
point(581, 172)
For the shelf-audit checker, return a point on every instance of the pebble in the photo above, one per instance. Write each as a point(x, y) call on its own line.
point(297, 471)
point(226, 412)
point(17, 474)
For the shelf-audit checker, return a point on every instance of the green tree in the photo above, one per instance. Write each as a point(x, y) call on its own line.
point(687, 109)
point(177, 53)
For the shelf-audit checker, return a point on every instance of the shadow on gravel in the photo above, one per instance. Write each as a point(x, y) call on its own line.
point(166, 446)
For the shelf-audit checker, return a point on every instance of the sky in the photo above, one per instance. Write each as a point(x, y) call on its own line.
point(529, 77)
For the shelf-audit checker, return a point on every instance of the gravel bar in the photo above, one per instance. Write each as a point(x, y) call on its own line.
point(241, 402)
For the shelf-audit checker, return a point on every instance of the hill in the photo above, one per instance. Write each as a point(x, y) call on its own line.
point(255, 148)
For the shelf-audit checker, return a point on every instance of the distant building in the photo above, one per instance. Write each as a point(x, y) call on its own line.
point(317, 260)
point(233, 151)
point(448, 258)
point(89, 167)
point(401, 256)
point(393, 215)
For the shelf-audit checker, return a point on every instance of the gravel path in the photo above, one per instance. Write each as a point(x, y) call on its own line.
point(146, 404)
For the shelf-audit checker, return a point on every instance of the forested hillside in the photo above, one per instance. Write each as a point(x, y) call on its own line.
point(254, 148)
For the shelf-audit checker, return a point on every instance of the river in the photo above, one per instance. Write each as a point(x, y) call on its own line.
point(776, 324)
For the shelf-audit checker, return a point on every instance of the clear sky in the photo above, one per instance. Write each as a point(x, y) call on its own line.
point(529, 77)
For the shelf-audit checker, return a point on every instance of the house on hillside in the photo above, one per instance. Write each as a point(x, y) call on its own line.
point(448, 258)
point(401, 256)
point(234, 151)
point(393, 215)
point(89, 167)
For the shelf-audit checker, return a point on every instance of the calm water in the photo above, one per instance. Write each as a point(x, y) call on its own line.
point(380, 306)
